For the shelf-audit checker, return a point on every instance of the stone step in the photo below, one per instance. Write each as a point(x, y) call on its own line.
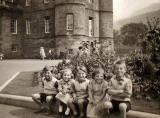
point(27, 102)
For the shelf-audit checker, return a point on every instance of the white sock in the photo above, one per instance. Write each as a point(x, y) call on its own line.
point(60, 108)
point(67, 111)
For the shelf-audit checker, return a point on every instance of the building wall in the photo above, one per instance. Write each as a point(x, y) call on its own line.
point(36, 12)
point(106, 24)
point(7, 38)
point(59, 37)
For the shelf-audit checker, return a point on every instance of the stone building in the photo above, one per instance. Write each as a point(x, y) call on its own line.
point(26, 25)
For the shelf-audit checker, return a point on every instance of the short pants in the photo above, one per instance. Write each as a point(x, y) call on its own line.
point(43, 97)
point(116, 103)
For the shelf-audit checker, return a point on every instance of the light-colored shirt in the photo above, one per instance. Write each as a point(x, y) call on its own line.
point(81, 89)
point(49, 86)
point(124, 84)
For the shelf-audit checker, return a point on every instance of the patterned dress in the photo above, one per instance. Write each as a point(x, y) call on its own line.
point(99, 94)
point(64, 89)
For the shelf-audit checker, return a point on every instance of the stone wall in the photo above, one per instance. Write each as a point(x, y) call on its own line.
point(7, 38)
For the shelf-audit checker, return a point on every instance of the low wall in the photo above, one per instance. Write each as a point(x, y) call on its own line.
point(27, 102)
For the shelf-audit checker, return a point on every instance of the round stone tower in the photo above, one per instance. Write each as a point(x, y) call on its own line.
point(69, 23)
point(106, 24)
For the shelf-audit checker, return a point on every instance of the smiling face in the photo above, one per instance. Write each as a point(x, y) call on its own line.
point(67, 75)
point(99, 77)
point(120, 70)
point(81, 75)
point(48, 75)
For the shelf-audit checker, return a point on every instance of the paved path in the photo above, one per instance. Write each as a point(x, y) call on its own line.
point(9, 67)
point(18, 112)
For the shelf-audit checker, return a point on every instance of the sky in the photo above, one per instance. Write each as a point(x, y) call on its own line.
point(125, 8)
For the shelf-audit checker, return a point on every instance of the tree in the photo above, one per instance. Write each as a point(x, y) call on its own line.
point(151, 42)
point(130, 33)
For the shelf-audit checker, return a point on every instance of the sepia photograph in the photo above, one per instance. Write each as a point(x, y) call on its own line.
point(80, 58)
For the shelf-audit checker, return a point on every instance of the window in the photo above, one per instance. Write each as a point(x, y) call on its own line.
point(46, 22)
point(28, 26)
point(70, 21)
point(91, 26)
point(46, 1)
point(14, 26)
point(28, 2)
point(90, 1)
point(14, 47)
point(70, 51)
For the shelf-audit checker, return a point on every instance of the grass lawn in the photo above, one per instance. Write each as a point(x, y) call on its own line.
point(22, 85)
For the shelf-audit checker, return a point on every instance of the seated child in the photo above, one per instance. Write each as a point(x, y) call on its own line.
point(50, 85)
point(120, 89)
point(80, 91)
point(98, 97)
point(64, 88)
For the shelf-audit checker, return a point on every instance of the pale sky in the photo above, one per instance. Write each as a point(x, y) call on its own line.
point(125, 8)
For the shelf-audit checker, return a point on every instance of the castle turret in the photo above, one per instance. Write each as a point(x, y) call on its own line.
point(106, 24)
point(69, 23)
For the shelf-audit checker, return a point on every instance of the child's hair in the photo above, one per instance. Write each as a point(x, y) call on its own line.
point(120, 62)
point(46, 68)
point(98, 70)
point(66, 69)
point(82, 68)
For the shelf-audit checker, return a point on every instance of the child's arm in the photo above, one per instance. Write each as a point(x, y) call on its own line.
point(60, 88)
point(112, 90)
point(90, 89)
point(73, 91)
point(128, 89)
point(105, 89)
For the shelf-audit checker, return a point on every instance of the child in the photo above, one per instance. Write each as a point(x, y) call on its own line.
point(50, 85)
point(98, 97)
point(80, 91)
point(42, 53)
point(64, 87)
point(120, 89)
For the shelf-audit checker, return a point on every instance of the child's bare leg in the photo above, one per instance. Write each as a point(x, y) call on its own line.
point(67, 111)
point(60, 107)
point(49, 102)
point(122, 108)
point(81, 107)
point(108, 105)
point(36, 98)
point(72, 106)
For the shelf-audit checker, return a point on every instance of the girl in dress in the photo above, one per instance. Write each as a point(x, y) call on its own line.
point(80, 91)
point(42, 53)
point(64, 88)
point(98, 98)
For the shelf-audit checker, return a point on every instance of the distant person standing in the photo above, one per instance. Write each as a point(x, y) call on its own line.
point(42, 53)
point(1, 56)
point(50, 54)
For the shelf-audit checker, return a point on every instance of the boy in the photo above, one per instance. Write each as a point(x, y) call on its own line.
point(120, 89)
point(50, 85)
